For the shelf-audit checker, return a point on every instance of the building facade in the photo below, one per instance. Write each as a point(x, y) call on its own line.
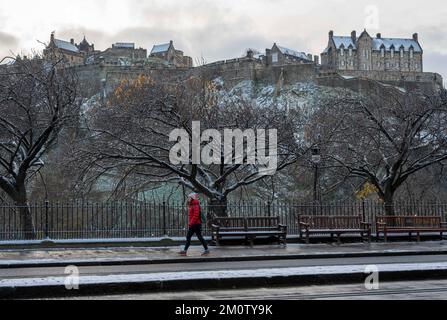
point(366, 53)
point(121, 53)
point(72, 54)
point(279, 55)
point(174, 57)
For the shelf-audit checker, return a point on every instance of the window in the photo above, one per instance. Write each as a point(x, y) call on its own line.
point(342, 52)
point(382, 52)
point(342, 63)
point(392, 53)
point(350, 52)
point(274, 58)
point(411, 53)
point(387, 64)
point(401, 53)
point(379, 64)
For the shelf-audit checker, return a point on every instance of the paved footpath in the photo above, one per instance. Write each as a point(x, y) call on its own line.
point(157, 255)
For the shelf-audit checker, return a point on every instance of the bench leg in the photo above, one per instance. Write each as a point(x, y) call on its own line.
point(339, 238)
point(217, 241)
point(419, 237)
point(385, 235)
point(252, 241)
point(307, 237)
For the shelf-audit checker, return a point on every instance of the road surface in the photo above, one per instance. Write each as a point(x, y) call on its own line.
point(204, 266)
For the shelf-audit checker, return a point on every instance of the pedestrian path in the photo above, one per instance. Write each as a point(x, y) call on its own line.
point(157, 255)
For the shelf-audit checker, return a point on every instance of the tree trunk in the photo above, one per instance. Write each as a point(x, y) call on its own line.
point(388, 200)
point(218, 207)
point(26, 220)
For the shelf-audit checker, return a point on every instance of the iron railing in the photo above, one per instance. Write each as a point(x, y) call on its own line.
point(60, 221)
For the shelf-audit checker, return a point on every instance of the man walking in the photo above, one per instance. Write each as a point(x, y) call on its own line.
point(195, 224)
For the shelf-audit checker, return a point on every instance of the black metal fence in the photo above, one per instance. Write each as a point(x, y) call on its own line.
point(146, 220)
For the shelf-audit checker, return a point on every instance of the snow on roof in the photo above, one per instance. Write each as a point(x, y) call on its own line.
point(345, 41)
point(65, 45)
point(160, 48)
point(377, 43)
point(397, 43)
point(293, 53)
point(124, 45)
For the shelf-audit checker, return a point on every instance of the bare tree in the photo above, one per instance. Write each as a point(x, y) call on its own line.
point(383, 136)
point(37, 98)
point(130, 136)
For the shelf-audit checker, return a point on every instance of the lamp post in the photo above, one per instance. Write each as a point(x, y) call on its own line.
point(316, 160)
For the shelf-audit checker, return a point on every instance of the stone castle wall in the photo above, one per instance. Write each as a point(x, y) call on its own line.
point(97, 78)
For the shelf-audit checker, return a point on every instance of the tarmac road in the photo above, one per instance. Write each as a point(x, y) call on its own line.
point(204, 266)
point(404, 290)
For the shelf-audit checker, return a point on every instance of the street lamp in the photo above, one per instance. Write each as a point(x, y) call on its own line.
point(316, 160)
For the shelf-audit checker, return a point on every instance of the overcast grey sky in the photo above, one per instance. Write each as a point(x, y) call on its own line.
point(222, 29)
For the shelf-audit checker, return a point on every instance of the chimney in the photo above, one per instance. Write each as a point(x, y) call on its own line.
point(72, 41)
point(317, 59)
point(331, 34)
point(354, 36)
point(416, 37)
point(379, 36)
point(171, 42)
point(250, 53)
point(52, 37)
point(309, 56)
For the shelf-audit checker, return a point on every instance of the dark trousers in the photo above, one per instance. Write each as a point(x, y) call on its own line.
point(197, 229)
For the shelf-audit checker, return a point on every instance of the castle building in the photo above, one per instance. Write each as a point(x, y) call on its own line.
point(278, 55)
point(168, 53)
point(71, 53)
point(366, 53)
point(121, 53)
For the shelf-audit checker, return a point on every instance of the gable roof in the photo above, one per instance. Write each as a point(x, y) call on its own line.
point(160, 48)
point(65, 45)
point(293, 53)
point(346, 42)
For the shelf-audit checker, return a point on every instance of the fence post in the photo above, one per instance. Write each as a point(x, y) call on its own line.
point(363, 211)
point(47, 237)
point(164, 219)
point(269, 208)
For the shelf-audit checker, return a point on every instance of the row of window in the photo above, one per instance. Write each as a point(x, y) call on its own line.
point(379, 65)
point(382, 53)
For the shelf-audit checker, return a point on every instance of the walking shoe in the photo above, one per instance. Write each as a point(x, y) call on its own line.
point(183, 253)
point(206, 253)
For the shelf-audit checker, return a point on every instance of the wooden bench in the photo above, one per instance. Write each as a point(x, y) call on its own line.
point(333, 225)
point(410, 225)
point(249, 228)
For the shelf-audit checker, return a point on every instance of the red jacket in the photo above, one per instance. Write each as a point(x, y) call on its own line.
point(194, 213)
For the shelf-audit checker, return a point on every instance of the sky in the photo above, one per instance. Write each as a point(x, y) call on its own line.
point(222, 29)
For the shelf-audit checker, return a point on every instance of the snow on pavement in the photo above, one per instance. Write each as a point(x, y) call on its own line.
point(222, 274)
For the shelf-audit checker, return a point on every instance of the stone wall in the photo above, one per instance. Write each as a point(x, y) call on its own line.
point(96, 78)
